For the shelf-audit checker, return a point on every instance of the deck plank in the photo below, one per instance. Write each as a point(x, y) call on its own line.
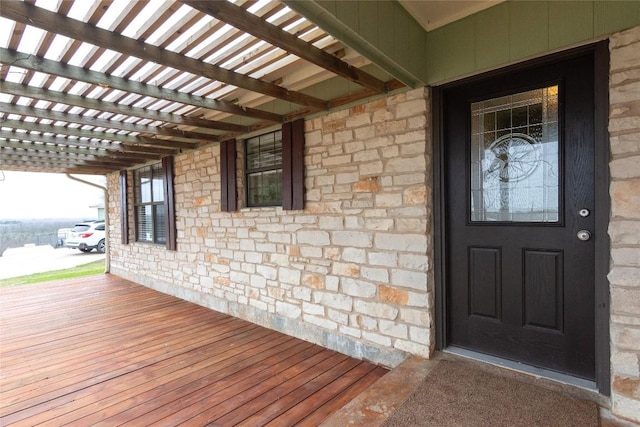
point(104, 350)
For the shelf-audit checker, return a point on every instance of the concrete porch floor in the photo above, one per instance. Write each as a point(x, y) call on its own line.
point(376, 403)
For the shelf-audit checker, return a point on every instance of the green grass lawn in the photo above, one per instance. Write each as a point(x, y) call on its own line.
point(90, 269)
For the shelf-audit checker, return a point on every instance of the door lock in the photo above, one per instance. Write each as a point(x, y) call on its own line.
point(584, 235)
point(584, 213)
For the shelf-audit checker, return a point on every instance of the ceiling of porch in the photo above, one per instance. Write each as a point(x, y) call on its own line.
point(95, 86)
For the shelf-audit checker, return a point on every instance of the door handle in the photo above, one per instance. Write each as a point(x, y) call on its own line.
point(584, 235)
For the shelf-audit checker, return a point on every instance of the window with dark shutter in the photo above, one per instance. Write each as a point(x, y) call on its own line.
point(228, 170)
point(154, 204)
point(274, 167)
point(124, 209)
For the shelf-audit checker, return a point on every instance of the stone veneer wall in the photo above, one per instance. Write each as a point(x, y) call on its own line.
point(351, 272)
point(624, 228)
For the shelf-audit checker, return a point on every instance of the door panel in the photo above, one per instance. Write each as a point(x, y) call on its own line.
point(519, 167)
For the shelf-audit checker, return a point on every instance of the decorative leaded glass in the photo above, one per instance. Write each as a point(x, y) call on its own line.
point(515, 158)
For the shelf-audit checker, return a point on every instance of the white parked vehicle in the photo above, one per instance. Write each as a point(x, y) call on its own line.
point(87, 236)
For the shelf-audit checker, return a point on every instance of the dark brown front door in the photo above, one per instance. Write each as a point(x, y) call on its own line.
point(519, 203)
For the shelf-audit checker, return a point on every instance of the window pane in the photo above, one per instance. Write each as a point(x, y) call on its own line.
point(160, 225)
point(264, 151)
point(158, 188)
point(144, 220)
point(515, 157)
point(265, 188)
point(264, 170)
point(143, 185)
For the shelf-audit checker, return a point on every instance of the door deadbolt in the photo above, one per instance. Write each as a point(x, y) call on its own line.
point(584, 213)
point(584, 235)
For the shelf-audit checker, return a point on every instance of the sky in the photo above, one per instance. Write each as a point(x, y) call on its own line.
point(34, 195)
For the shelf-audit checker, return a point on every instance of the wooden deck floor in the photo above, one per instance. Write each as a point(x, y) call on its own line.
point(105, 351)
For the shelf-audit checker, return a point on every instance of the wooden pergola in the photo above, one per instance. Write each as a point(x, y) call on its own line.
point(96, 86)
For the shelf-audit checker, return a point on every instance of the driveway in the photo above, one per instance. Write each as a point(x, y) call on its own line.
point(37, 259)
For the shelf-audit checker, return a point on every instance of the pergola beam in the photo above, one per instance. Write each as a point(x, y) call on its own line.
point(111, 107)
point(251, 24)
point(49, 21)
point(65, 149)
point(43, 65)
point(62, 141)
point(94, 134)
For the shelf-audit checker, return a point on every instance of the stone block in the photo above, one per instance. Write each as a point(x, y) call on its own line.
point(336, 160)
point(625, 57)
point(377, 338)
point(374, 274)
point(289, 276)
point(625, 301)
point(623, 94)
point(625, 407)
point(376, 309)
point(406, 164)
point(393, 329)
point(358, 120)
point(626, 167)
point(345, 269)
point(416, 317)
point(338, 317)
point(331, 222)
point(311, 252)
point(313, 309)
point(625, 337)
point(302, 294)
point(627, 386)
point(626, 363)
point(411, 108)
point(626, 256)
point(288, 310)
point(625, 143)
point(268, 272)
point(401, 242)
point(358, 288)
point(364, 322)
point(624, 276)
point(368, 185)
point(625, 38)
point(625, 199)
point(393, 295)
point(315, 281)
point(313, 237)
point(320, 321)
point(413, 348)
point(409, 279)
point(386, 200)
point(238, 277)
point(414, 262)
point(366, 155)
point(333, 300)
point(624, 232)
point(352, 239)
point(388, 259)
point(355, 255)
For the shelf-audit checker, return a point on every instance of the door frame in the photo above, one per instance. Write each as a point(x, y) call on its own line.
point(600, 51)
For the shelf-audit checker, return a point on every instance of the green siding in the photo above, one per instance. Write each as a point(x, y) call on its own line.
point(612, 16)
point(491, 32)
point(528, 29)
point(516, 30)
point(579, 15)
point(508, 32)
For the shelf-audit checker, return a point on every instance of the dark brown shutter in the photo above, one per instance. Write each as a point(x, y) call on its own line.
point(293, 165)
point(229, 192)
point(169, 202)
point(124, 209)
